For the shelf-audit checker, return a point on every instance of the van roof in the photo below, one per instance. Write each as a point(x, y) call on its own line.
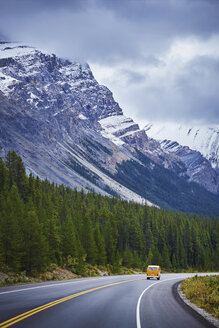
point(153, 266)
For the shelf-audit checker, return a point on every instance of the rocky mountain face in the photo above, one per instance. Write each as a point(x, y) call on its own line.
point(68, 128)
point(200, 138)
point(198, 149)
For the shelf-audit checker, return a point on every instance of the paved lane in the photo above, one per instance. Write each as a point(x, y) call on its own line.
point(160, 307)
point(117, 305)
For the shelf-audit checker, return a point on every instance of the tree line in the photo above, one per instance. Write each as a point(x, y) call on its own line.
point(42, 223)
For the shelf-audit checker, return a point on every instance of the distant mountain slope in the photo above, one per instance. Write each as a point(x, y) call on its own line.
point(198, 148)
point(203, 139)
point(69, 129)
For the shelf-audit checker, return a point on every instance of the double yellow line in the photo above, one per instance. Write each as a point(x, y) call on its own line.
point(27, 314)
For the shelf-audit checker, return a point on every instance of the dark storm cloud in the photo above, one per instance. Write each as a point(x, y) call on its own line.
point(200, 84)
point(153, 61)
point(106, 30)
point(179, 16)
point(77, 29)
point(31, 6)
point(132, 76)
point(127, 34)
point(191, 96)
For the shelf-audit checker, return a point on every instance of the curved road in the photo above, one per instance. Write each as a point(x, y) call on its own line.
point(106, 302)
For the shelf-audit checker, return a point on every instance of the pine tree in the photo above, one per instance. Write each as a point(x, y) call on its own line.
point(127, 258)
point(149, 257)
point(136, 260)
point(17, 173)
point(12, 238)
point(36, 248)
point(166, 258)
point(89, 241)
point(149, 240)
point(69, 239)
point(183, 263)
point(156, 258)
point(135, 235)
point(1, 245)
point(4, 178)
point(53, 236)
point(110, 241)
point(174, 262)
point(101, 248)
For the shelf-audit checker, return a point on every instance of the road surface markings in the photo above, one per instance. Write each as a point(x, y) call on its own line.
point(44, 286)
point(27, 314)
point(138, 320)
point(51, 285)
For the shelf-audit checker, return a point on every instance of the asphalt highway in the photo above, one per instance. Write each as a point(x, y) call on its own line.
point(106, 302)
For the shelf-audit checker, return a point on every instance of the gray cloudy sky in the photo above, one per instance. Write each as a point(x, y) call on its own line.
point(159, 57)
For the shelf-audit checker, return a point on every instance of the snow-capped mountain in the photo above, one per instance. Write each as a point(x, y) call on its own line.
point(69, 129)
point(198, 168)
point(202, 139)
point(49, 114)
point(187, 163)
point(197, 147)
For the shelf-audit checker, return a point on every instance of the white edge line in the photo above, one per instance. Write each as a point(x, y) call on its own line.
point(138, 320)
point(52, 285)
point(44, 286)
point(37, 287)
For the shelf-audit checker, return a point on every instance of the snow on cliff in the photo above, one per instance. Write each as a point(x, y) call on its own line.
point(203, 139)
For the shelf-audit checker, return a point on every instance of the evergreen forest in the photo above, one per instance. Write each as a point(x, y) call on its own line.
point(42, 224)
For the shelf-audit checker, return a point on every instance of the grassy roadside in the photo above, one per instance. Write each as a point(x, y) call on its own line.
point(8, 278)
point(204, 292)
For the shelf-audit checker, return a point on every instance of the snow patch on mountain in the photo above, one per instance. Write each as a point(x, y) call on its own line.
point(13, 50)
point(82, 117)
point(6, 82)
point(117, 126)
point(202, 139)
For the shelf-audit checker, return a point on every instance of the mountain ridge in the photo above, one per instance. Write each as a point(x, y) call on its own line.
point(69, 129)
point(204, 139)
point(197, 147)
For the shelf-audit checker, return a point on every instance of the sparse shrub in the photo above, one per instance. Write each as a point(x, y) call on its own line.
point(204, 292)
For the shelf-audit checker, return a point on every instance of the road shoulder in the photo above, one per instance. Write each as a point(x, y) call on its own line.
point(206, 318)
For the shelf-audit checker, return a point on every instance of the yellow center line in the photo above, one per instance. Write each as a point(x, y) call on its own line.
point(27, 314)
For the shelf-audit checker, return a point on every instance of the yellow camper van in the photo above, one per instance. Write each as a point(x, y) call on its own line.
point(153, 271)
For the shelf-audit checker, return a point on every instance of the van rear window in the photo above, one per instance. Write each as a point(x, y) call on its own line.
point(152, 269)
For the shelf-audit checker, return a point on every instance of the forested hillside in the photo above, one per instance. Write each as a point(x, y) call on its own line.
point(42, 223)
